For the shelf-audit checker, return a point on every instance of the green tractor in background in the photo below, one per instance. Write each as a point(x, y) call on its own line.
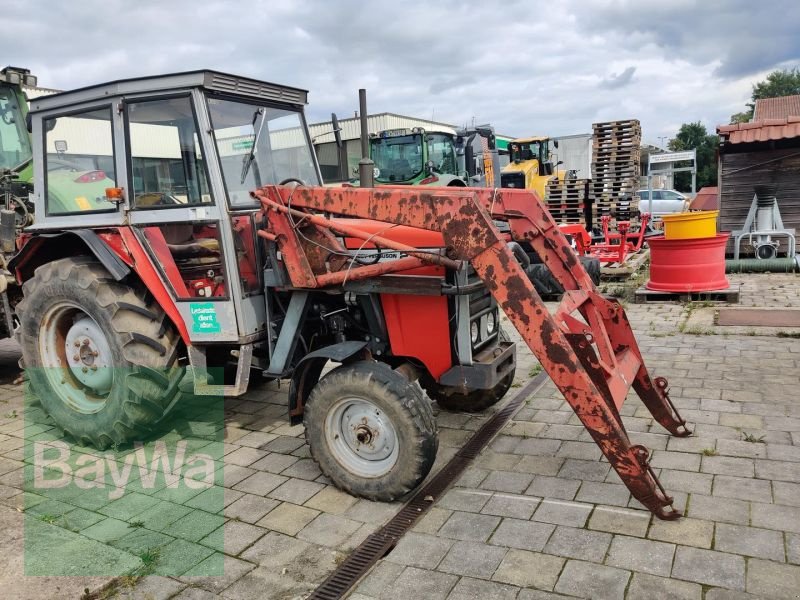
point(16, 166)
point(75, 185)
point(416, 157)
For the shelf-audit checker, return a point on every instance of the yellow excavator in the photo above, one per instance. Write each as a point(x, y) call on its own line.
point(530, 167)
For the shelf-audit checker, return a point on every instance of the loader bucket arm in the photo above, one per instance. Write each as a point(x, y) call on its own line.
point(587, 346)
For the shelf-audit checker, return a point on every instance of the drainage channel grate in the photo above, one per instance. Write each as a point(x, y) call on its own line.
point(380, 543)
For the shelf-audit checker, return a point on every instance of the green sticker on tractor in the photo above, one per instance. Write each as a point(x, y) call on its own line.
point(204, 317)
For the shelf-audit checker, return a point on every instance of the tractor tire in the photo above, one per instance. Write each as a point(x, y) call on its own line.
point(592, 266)
point(357, 405)
point(75, 317)
point(455, 400)
point(547, 285)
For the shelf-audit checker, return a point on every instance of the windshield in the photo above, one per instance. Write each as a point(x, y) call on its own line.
point(397, 158)
point(521, 152)
point(442, 152)
point(281, 148)
point(15, 145)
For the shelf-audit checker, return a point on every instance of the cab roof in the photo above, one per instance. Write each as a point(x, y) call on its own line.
point(528, 140)
point(206, 79)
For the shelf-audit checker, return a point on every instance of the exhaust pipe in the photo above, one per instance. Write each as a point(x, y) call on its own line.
point(366, 167)
point(341, 151)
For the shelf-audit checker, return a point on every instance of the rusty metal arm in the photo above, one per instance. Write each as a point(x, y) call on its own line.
point(593, 359)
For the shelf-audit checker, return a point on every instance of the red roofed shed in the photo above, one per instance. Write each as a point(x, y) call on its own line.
point(764, 151)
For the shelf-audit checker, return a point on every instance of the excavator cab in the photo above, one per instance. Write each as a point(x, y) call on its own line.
point(531, 166)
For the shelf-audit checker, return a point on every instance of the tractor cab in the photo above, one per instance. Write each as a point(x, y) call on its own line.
point(415, 157)
point(15, 144)
point(164, 166)
point(15, 147)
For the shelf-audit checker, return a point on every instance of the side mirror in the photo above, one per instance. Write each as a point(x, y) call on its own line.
point(555, 143)
point(561, 162)
point(429, 165)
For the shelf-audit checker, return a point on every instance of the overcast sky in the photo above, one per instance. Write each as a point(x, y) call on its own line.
point(525, 67)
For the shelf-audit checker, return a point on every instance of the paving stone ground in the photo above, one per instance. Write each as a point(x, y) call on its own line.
point(538, 514)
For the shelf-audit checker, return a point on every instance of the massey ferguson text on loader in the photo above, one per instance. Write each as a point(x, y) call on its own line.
point(182, 264)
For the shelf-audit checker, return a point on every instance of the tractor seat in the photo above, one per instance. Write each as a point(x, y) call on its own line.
point(184, 246)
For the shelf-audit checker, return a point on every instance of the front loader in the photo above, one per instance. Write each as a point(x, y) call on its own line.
point(216, 246)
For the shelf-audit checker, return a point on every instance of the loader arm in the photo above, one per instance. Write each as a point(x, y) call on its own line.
point(587, 346)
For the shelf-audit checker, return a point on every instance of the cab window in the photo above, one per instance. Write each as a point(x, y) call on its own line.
point(442, 153)
point(167, 164)
point(15, 146)
point(79, 162)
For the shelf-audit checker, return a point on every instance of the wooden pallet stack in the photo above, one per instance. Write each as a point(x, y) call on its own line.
point(568, 199)
point(616, 169)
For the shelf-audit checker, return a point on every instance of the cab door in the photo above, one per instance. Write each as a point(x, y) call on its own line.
point(174, 211)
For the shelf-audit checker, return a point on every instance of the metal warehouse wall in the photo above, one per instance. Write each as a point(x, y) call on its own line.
point(576, 152)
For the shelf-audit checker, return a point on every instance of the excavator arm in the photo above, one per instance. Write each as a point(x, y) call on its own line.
point(587, 346)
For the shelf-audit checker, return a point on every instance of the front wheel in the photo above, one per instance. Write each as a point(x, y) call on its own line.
point(371, 430)
point(454, 399)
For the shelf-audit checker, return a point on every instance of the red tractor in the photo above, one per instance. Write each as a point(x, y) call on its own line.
point(216, 246)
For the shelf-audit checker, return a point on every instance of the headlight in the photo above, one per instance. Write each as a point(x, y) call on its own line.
point(473, 332)
point(491, 323)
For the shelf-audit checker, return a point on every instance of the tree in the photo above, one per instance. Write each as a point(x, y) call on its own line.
point(778, 83)
point(694, 136)
point(783, 82)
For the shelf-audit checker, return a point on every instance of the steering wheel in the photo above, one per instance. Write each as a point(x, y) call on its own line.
point(292, 179)
point(155, 199)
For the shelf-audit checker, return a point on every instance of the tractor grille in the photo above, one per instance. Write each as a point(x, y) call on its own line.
point(482, 312)
point(512, 180)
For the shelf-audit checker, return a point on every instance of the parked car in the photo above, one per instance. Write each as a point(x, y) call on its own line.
point(665, 202)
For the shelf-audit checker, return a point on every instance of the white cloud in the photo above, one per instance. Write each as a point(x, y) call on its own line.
point(553, 70)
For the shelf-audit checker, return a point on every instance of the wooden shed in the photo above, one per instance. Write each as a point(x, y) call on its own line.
point(757, 153)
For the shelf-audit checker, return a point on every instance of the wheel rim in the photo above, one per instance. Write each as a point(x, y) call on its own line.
point(76, 357)
point(361, 437)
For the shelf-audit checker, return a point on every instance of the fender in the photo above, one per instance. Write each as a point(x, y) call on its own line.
point(44, 247)
point(307, 372)
point(153, 281)
point(449, 180)
point(117, 249)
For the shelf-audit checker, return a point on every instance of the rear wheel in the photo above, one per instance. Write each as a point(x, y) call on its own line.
point(457, 400)
point(101, 356)
point(371, 430)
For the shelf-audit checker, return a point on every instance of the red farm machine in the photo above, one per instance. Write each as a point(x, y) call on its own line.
point(215, 245)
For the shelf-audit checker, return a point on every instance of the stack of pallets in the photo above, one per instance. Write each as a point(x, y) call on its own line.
point(615, 168)
point(568, 199)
